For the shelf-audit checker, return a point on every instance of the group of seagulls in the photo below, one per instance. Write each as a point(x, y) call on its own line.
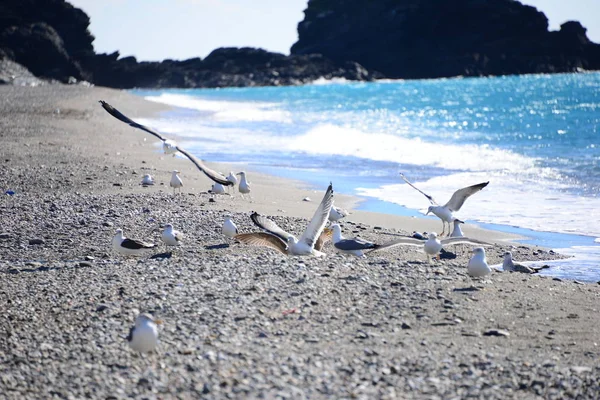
point(143, 336)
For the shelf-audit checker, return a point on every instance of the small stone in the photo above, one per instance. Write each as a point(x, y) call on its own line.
point(36, 241)
point(306, 199)
point(33, 264)
point(101, 307)
point(405, 326)
point(262, 335)
point(212, 200)
point(496, 332)
point(85, 264)
point(580, 370)
point(89, 258)
point(5, 235)
point(107, 223)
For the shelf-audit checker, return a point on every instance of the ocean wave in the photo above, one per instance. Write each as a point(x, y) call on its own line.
point(226, 110)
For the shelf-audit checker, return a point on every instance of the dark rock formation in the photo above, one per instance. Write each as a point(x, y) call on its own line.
point(440, 38)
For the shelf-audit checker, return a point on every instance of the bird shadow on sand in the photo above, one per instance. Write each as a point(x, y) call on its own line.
point(217, 246)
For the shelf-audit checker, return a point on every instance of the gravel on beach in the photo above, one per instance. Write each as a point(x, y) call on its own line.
point(240, 321)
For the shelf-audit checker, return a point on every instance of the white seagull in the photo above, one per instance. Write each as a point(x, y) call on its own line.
point(167, 144)
point(478, 265)
point(232, 178)
point(129, 247)
point(244, 186)
point(337, 213)
point(143, 336)
point(355, 246)
point(432, 246)
point(229, 229)
point(454, 204)
point(509, 265)
point(311, 241)
point(170, 236)
point(147, 180)
point(217, 188)
point(176, 182)
point(457, 231)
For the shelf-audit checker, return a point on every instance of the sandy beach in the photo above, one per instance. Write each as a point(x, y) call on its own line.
point(240, 321)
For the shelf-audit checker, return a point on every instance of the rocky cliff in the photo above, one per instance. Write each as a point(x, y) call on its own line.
point(441, 38)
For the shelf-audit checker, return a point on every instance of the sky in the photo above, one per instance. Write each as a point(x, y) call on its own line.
point(153, 30)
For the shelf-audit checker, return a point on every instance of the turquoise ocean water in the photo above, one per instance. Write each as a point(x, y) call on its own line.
point(536, 138)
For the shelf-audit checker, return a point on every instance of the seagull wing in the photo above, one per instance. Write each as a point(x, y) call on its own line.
point(133, 244)
point(405, 241)
point(465, 240)
point(319, 219)
point(354, 244)
point(213, 175)
point(263, 239)
point(458, 198)
point(431, 200)
point(325, 237)
point(265, 223)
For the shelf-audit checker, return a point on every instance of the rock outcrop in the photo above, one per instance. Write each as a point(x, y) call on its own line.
point(441, 38)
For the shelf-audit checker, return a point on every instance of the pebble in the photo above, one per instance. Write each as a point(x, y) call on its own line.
point(36, 241)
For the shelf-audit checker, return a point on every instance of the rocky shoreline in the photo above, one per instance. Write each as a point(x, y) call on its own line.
point(244, 322)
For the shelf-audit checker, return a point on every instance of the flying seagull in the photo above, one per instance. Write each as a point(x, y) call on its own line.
point(478, 265)
point(129, 247)
point(311, 241)
point(454, 204)
point(214, 175)
point(432, 246)
point(355, 246)
point(143, 336)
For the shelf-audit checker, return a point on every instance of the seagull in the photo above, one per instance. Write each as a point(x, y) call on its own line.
point(244, 186)
point(213, 175)
point(143, 336)
point(457, 231)
point(432, 246)
point(232, 178)
point(337, 213)
point(478, 265)
point(147, 180)
point(217, 188)
point(229, 229)
point(176, 182)
point(355, 246)
point(454, 204)
point(509, 265)
point(310, 243)
point(170, 236)
point(129, 247)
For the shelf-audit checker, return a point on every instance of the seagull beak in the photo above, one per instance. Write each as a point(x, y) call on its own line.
point(428, 211)
point(327, 231)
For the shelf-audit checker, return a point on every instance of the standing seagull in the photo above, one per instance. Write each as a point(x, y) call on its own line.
point(213, 175)
point(337, 213)
point(143, 336)
point(432, 246)
point(355, 246)
point(478, 265)
point(454, 204)
point(129, 247)
point(229, 229)
point(457, 231)
point(311, 241)
point(232, 178)
point(176, 182)
point(244, 186)
point(170, 236)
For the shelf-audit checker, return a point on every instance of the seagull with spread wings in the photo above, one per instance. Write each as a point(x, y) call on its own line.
point(454, 204)
point(310, 243)
point(355, 246)
point(167, 143)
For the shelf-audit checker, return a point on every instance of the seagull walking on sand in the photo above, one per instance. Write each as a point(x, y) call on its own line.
point(244, 186)
point(229, 229)
point(433, 246)
point(337, 213)
point(143, 336)
point(170, 236)
point(457, 231)
point(168, 145)
point(129, 247)
point(147, 180)
point(310, 243)
point(355, 246)
point(478, 265)
point(176, 182)
point(454, 204)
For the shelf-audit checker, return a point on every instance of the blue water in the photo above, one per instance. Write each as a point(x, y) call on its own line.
point(534, 137)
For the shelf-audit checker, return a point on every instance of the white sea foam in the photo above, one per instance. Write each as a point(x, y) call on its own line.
point(226, 110)
point(510, 199)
